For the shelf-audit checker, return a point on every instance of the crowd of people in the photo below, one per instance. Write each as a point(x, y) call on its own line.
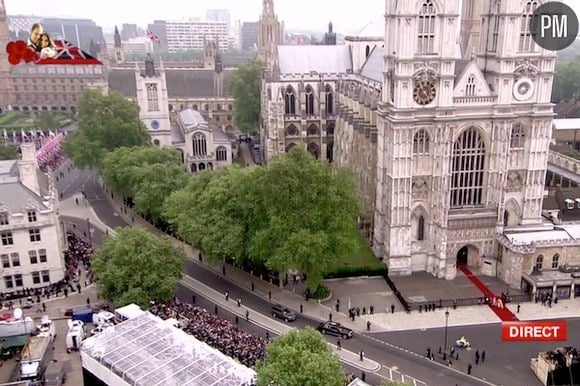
point(78, 253)
point(216, 332)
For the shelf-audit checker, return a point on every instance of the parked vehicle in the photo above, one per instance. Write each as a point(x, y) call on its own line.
point(14, 324)
point(34, 357)
point(104, 318)
point(462, 342)
point(85, 315)
point(54, 374)
point(75, 335)
point(279, 311)
point(129, 311)
point(336, 329)
point(46, 328)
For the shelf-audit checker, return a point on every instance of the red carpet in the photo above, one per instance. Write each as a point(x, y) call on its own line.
point(503, 313)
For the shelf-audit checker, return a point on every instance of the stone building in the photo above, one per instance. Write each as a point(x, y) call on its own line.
point(30, 228)
point(449, 142)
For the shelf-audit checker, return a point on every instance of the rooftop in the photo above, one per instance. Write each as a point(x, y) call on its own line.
point(319, 59)
point(566, 124)
point(16, 196)
point(148, 351)
point(374, 65)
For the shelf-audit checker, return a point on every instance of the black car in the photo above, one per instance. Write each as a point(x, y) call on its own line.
point(279, 311)
point(336, 329)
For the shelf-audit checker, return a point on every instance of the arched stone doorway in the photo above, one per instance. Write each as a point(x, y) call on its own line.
point(201, 167)
point(193, 168)
point(210, 165)
point(469, 256)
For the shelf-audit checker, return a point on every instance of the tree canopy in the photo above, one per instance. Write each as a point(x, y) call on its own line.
point(300, 358)
point(566, 81)
point(137, 267)
point(295, 214)
point(106, 122)
point(146, 174)
point(245, 83)
point(8, 152)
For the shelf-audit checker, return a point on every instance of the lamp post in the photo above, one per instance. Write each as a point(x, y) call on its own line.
point(446, 324)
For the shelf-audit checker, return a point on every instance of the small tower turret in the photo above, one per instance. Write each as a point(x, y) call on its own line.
point(119, 51)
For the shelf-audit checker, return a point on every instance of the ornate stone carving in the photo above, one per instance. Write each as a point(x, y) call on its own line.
point(514, 181)
point(421, 187)
point(525, 69)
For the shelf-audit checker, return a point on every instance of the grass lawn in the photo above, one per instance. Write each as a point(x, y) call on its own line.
point(16, 120)
point(362, 256)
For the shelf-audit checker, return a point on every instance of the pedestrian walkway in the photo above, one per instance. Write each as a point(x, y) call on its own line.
point(500, 310)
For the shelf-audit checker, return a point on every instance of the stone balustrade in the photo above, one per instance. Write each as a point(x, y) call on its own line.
point(564, 161)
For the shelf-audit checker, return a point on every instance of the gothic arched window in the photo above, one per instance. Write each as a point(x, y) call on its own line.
point(470, 86)
point(421, 228)
point(290, 101)
point(539, 262)
point(367, 51)
point(199, 145)
point(329, 99)
point(292, 131)
point(221, 154)
point(527, 43)
point(490, 44)
point(555, 261)
point(309, 100)
point(330, 129)
point(312, 130)
point(468, 169)
point(421, 142)
point(426, 28)
point(518, 137)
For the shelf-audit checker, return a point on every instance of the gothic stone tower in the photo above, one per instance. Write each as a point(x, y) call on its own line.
point(271, 34)
point(5, 84)
point(462, 146)
point(119, 52)
point(153, 102)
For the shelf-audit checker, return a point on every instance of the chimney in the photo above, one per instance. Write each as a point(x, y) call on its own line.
point(28, 167)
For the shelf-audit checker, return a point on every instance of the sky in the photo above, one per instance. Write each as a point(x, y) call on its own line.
point(296, 14)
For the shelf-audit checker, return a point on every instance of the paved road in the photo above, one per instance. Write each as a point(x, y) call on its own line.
point(506, 363)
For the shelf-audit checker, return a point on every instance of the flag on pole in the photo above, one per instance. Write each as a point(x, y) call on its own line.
point(152, 36)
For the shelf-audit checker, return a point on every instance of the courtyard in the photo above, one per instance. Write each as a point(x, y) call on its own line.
point(16, 120)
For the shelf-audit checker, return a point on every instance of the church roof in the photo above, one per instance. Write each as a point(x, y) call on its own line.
point(374, 65)
point(375, 30)
point(320, 59)
point(181, 82)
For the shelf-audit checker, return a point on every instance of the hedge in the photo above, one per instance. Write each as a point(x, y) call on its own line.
point(342, 272)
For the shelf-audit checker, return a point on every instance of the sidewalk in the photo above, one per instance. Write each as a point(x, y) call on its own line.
point(69, 207)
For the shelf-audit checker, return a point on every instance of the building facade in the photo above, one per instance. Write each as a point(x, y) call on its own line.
point(249, 35)
point(32, 236)
point(449, 142)
point(190, 35)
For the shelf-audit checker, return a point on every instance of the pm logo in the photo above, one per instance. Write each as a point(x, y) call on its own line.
point(554, 26)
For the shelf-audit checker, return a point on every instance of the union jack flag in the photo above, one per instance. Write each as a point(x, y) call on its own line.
point(67, 53)
point(152, 36)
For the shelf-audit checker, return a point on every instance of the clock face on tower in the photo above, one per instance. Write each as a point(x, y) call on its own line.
point(154, 124)
point(424, 92)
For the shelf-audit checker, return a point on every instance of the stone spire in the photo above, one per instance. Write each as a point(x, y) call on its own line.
point(149, 66)
point(271, 34)
point(117, 38)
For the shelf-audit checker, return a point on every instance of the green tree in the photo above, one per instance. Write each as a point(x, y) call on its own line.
point(245, 84)
point(311, 210)
point(217, 210)
point(157, 182)
point(300, 358)
point(8, 152)
point(566, 81)
point(137, 267)
point(121, 167)
point(106, 122)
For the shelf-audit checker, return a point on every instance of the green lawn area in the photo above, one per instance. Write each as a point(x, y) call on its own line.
point(362, 257)
point(16, 120)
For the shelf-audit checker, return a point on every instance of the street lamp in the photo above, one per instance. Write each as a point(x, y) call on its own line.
point(446, 324)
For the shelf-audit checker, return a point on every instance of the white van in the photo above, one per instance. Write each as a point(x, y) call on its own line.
point(75, 335)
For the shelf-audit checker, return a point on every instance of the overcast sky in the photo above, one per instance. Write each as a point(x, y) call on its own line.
point(301, 14)
point(347, 16)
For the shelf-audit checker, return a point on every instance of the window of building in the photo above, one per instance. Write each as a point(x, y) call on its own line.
point(470, 86)
point(539, 262)
point(330, 129)
point(229, 118)
point(156, 142)
point(527, 43)
point(36, 277)
point(421, 228)
point(426, 28)
point(217, 118)
point(555, 261)
point(290, 101)
point(18, 280)
point(199, 144)
point(42, 255)
point(5, 260)
point(230, 107)
point(33, 257)
point(34, 235)
point(221, 154)
point(329, 99)
point(218, 107)
point(206, 107)
point(518, 138)
point(8, 282)
point(31, 216)
point(309, 100)
point(421, 142)
point(45, 276)
point(468, 169)
point(4, 220)
point(15, 257)
point(7, 238)
point(152, 97)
